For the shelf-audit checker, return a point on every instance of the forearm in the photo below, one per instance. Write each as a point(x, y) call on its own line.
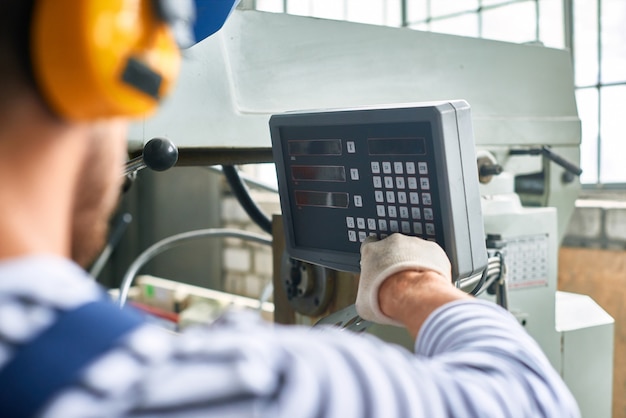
point(410, 296)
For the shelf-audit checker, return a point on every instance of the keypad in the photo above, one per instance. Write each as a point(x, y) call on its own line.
point(402, 193)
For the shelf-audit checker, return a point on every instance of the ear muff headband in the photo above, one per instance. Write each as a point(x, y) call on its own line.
point(102, 58)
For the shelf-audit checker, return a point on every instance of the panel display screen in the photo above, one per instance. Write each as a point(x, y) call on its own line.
point(315, 147)
point(321, 199)
point(318, 173)
point(396, 146)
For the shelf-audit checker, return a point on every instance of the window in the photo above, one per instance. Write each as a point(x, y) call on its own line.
point(592, 29)
point(599, 49)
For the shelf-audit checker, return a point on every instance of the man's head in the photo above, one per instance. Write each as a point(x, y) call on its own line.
point(96, 181)
point(79, 69)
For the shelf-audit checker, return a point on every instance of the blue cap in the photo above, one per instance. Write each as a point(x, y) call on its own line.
point(211, 16)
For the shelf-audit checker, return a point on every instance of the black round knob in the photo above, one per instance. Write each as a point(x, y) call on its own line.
point(160, 154)
point(490, 170)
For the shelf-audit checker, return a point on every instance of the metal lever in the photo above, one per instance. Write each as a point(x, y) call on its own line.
point(552, 156)
point(159, 154)
point(346, 318)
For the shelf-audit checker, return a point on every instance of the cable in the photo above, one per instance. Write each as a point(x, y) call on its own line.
point(247, 179)
point(242, 194)
point(117, 232)
point(173, 241)
point(492, 273)
point(497, 272)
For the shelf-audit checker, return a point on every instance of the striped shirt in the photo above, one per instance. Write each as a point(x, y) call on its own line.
point(471, 359)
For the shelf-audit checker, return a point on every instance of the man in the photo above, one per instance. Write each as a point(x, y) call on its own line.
point(59, 181)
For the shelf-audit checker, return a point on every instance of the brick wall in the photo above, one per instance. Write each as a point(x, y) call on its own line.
point(597, 224)
point(247, 266)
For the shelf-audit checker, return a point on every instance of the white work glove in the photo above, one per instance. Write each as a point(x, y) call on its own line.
point(396, 253)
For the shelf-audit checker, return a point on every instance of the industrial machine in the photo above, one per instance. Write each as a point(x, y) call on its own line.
point(527, 137)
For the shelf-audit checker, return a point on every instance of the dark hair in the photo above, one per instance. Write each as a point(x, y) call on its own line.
point(15, 66)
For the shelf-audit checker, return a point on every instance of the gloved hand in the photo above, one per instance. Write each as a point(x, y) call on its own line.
point(396, 253)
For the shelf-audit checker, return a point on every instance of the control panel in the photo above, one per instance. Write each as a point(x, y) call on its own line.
point(347, 174)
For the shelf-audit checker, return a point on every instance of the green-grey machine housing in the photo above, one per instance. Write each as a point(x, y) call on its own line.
point(346, 174)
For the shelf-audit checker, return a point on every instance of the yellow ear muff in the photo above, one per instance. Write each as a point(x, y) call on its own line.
point(102, 58)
